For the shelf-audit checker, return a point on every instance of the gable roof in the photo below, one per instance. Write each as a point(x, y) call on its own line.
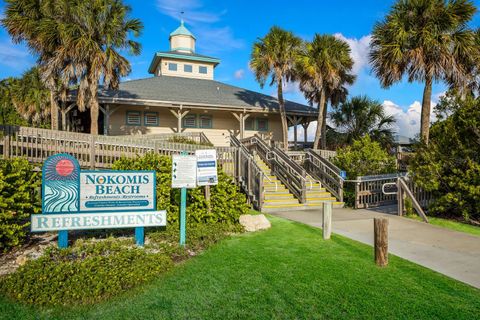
point(196, 92)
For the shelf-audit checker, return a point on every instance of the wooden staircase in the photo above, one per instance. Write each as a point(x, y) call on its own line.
point(278, 198)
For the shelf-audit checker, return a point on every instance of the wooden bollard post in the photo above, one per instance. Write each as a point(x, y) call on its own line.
point(327, 220)
point(380, 228)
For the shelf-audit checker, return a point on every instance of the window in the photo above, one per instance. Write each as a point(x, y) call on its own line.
point(262, 124)
point(172, 66)
point(190, 121)
point(250, 123)
point(150, 119)
point(205, 122)
point(187, 68)
point(133, 118)
point(202, 69)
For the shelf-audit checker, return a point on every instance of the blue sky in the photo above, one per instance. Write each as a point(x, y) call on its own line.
point(227, 29)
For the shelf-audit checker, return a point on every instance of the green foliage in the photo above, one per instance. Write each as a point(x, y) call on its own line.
point(226, 203)
point(84, 273)
point(364, 157)
point(19, 198)
point(360, 116)
point(93, 270)
point(187, 140)
point(8, 113)
point(450, 165)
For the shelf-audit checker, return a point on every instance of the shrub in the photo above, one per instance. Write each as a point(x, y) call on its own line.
point(93, 270)
point(187, 140)
point(226, 205)
point(363, 157)
point(449, 166)
point(84, 273)
point(19, 198)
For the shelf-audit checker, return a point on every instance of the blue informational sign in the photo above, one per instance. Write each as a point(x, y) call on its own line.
point(73, 199)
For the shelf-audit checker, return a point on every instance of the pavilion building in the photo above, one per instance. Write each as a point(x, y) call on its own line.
point(183, 96)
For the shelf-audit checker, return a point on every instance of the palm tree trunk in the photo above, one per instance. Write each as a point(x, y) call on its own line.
point(53, 111)
point(321, 107)
point(283, 114)
point(425, 116)
point(94, 106)
point(324, 127)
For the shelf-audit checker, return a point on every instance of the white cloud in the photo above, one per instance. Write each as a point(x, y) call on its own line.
point(215, 40)
point(14, 56)
point(359, 50)
point(193, 12)
point(210, 38)
point(239, 74)
point(407, 122)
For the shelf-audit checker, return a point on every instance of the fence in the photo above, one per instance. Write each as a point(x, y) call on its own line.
point(369, 191)
point(93, 151)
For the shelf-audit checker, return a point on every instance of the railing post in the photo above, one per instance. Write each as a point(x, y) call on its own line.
point(357, 196)
point(340, 191)
point(304, 188)
point(92, 151)
point(6, 145)
point(249, 173)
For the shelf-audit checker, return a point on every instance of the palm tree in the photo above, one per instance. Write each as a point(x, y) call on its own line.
point(324, 66)
point(274, 56)
point(428, 40)
point(78, 42)
point(360, 116)
point(31, 98)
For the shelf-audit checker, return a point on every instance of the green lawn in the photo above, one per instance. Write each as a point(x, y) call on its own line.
point(287, 272)
point(450, 224)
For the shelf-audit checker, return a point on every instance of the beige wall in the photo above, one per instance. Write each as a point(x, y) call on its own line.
point(181, 42)
point(162, 69)
point(223, 124)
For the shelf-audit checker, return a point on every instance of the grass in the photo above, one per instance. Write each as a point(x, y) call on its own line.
point(286, 272)
point(450, 224)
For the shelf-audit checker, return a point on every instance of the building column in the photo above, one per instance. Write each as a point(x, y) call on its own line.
point(107, 111)
point(305, 131)
point(179, 114)
point(295, 121)
point(241, 117)
point(64, 110)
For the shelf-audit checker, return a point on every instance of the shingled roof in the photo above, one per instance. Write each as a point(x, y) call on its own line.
point(196, 92)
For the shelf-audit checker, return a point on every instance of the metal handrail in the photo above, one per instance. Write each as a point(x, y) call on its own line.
point(330, 178)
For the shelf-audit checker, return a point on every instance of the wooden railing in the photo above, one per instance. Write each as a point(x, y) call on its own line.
point(286, 170)
point(369, 191)
point(195, 137)
point(93, 151)
point(248, 174)
point(326, 172)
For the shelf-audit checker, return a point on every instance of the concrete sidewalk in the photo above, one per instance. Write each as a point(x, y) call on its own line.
point(452, 253)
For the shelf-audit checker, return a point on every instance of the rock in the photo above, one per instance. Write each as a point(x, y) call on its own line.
point(21, 260)
point(254, 222)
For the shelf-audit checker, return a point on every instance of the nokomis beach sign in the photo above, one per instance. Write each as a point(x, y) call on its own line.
point(74, 199)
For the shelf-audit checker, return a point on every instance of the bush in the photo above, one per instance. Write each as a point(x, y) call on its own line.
point(449, 166)
point(19, 198)
point(93, 270)
point(187, 140)
point(84, 273)
point(364, 157)
point(227, 203)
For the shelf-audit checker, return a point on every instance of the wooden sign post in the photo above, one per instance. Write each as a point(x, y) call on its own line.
point(380, 228)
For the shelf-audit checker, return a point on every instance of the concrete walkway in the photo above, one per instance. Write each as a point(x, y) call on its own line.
point(452, 253)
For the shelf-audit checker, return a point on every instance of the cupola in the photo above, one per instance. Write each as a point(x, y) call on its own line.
point(182, 40)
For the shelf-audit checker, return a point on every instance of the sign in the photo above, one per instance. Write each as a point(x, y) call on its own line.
point(184, 171)
point(117, 191)
point(82, 221)
point(73, 199)
point(206, 167)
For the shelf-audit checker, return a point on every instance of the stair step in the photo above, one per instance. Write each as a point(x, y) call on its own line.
point(278, 196)
point(275, 206)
